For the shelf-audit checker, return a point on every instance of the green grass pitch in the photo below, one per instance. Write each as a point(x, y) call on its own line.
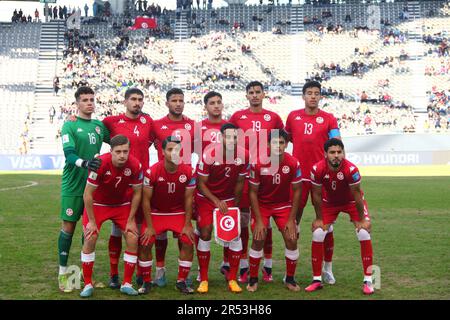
point(411, 242)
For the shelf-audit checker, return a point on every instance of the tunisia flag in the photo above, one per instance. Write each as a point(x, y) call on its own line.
point(227, 226)
point(144, 23)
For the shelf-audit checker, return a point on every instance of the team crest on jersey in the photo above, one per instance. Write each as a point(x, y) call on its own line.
point(267, 117)
point(143, 120)
point(286, 169)
point(182, 178)
point(97, 129)
point(340, 176)
point(238, 161)
point(127, 172)
point(65, 138)
point(319, 120)
point(69, 212)
point(187, 126)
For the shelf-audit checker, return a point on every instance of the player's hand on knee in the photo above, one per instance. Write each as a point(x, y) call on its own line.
point(291, 229)
point(132, 228)
point(93, 164)
point(317, 223)
point(260, 231)
point(90, 230)
point(189, 232)
point(364, 224)
point(147, 235)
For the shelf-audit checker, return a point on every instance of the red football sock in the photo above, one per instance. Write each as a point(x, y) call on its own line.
point(268, 244)
point(146, 270)
point(160, 249)
point(203, 262)
point(366, 256)
point(114, 248)
point(183, 270)
point(225, 254)
point(291, 266)
point(233, 257)
point(328, 247)
point(87, 262)
point(254, 266)
point(130, 260)
point(317, 258)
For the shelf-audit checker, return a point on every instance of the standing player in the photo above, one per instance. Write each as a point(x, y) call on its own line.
point(107, 197)
point(221, 177)
point(138, 128)
point(256, 122)
point(178, 125)
point(82, 140)
point(337, 188)
point(209, 134)
point(270, 198)
point(309, 129)
point(167, 204)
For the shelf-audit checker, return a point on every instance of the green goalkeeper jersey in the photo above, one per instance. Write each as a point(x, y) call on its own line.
point(81, 139)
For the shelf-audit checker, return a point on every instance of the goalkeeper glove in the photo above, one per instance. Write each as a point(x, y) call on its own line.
point(92, 164)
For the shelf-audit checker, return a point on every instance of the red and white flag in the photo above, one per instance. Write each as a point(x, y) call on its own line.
point(144, 23)
point(227, 226)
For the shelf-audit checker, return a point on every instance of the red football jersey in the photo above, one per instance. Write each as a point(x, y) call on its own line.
point(335, 184)
point(309, 133)
point(165, 127)
point(168, 188)
point(139, 131)
point(222, 177)
point(209, 132)
point(254, 124)
point(275, 190)
point(113, 184)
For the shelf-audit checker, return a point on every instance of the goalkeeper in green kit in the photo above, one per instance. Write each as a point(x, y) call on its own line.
point(82, 140)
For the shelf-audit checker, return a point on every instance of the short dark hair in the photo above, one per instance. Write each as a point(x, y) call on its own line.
point(254, 84)
point(278, 133)
point(170, 139)
point(333, 142)
point(172, 92)
point(131, 91)
point(83, 90)
point(210, 95)
point(226, 126)
point(311, 84)
point(118, 140)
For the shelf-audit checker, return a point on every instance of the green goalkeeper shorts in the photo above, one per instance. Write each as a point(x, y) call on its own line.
point(71, 208)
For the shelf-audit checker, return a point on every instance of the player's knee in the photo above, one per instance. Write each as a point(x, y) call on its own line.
point(363, 235)
point(319, 235)
point(115, 231)
point(291, 254)
point(162, 236)
point(205, 233)
point(68, 226)
point(203, 245)
point(236, 245)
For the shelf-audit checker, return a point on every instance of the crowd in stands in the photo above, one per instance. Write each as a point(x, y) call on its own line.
point(438, 110)
point(20, 16)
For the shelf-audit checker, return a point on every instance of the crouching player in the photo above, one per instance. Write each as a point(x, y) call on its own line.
point(336, 188)
point(167, 206)
point(221, 177)
point(106, 197)
point(270, 197)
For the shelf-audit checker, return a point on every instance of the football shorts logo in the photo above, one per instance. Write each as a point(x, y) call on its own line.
point(69, 212)
point(97, 129)
point(146, 181)
point(286, 169)
point(187, 126)
point(340, 176)
point(127, 172)
point(143, 120)
point(182, 178)
point(319, 120)
point(267, 117)
point(227, 223)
